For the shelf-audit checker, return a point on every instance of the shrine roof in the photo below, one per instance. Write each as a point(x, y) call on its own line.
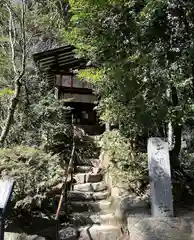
point(62, 59)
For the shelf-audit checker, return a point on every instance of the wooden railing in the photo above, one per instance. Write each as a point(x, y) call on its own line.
point(67, 185)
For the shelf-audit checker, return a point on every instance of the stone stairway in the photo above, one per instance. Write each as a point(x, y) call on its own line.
point(90, 207)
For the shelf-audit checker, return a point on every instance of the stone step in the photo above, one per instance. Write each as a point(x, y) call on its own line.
point(89, 206)
point(88, 177)
point(85, 218)
point(86, 196)
point(83, 169)
point(91, 187)
point(97, 232)
point(87, 169)
point(161, 228)
point(88, 162)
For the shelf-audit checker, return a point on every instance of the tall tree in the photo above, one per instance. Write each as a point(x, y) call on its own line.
point(141, 50)
point(16, 28)
point(26, 27)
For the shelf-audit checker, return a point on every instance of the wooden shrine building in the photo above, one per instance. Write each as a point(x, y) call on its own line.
point(59, 67)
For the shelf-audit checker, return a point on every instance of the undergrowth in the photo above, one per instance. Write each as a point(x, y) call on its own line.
point(129, 168)
point(35, 173)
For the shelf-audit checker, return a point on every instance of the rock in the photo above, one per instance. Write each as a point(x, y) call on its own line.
point(161, 228)
point(96, 232)
point(15, 236)
point(79, 133)
point(91, 187)
point(105, 159)
point(68, 234)
point(81, 196)
point(97, 170)
point(88, 178)
point(84, 169)
point(35, 237)
point(115, 192)
point(88, 162)
point(125, 237)
point(95, 162)
point(130, 205)
point(21, 236)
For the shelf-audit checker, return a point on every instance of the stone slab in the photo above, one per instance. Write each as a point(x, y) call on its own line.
point(88, 177)
point(35, 237)
point(81, 196)
point(96, 206)
point(68, 233)
point(91, 187)
point(85, 218)
point(86, 196)
point(83, 169)
point(162, 228)
point(160, 178)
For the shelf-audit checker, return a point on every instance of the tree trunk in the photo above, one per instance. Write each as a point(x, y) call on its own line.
point(18, 74)
point(169, 126)
point(177, 147)
point(170, 135)
point(177, 129)
point(11, 111)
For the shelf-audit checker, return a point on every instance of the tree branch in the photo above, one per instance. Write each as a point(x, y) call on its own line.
point(18, 76)
point(12, 39)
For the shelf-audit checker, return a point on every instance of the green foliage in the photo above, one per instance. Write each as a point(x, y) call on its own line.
point(141, 50)
point(34, 172)
point(187, 161)
point(128, 166)
point(6, 91)
point(43, 124)
point(50, 117)
point(42, 25)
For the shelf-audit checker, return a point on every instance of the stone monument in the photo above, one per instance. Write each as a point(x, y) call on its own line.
point(160, 178)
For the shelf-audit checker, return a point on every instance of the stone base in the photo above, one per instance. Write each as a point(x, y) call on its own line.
point(161, 228)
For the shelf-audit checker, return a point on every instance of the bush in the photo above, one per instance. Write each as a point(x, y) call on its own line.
point(34, 172)
point(127, 166)
point(187, 162)
point(44, 124)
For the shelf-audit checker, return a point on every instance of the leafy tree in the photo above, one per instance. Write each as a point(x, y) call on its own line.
point(18, 70)
point(142, 53)
point(26, 27)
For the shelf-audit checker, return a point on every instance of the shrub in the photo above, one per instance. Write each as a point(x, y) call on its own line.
point(34, 172)
point(127, 166)
point(187, 162)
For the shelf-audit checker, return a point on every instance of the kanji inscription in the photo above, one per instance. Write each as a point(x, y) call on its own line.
point(160, 178)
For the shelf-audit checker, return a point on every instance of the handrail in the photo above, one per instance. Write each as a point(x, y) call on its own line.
point(69, 170)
